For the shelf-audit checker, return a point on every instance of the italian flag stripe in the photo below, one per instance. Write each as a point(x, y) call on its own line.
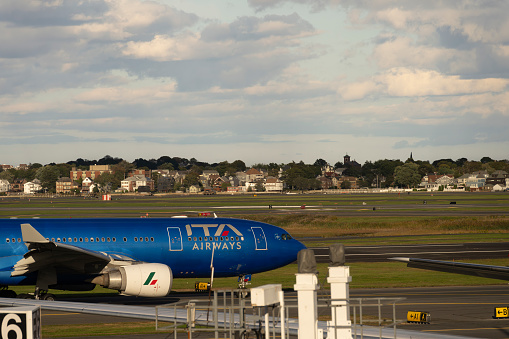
point(149, 279)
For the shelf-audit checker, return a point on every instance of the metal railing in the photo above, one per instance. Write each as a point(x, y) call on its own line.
point(229, 314)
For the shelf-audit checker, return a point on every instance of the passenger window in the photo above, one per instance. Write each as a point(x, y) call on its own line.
point(141, 238)
point(91, 239)
point(102, 239)
point(58, 239)
point(64, 240)
point(237, 238)
point(70, 239)
point(7, 240)
point(189, 238)
point(114, 239)
point(97, 239)
point(216, 238)
point(13, 240)
point(194, 238)
point(53, 239)
point(151, 239)
point(221, 238)
point(136, 239)
point(75, 240)
point(108, 239)
point(81, 239)
point(199, 238)
point(86, 239)
point(125, 239)
point(146, 239)
point(19, 239)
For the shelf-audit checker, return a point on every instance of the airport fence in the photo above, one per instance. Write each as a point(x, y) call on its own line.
point(229, 314)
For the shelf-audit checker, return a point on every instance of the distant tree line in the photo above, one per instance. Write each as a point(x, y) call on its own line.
point(296, 175)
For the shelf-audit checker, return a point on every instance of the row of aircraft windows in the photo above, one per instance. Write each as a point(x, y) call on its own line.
point(215, 238)
point(147, 239)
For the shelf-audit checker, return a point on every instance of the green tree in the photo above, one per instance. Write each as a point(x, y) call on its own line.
point(107, 180)
point(259, 186)
point(7, 175)
point(48, 175)
point(192, 178)
point(407, 175)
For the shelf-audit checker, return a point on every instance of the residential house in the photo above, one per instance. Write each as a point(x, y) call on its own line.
point(165, 184)
point(432, 182)
point(273, 184)
point(194, 189)
point(497, 177)
point(353, 182)
point(476, 181)
point(252, 175)
point(64, 185)
point(32, 187)
point(325, 182)
point(5, 186)
point(86, 185)
point(132, 184)
point(18, 185)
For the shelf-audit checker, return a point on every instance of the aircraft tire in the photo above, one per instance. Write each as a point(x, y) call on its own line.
point(49, 296)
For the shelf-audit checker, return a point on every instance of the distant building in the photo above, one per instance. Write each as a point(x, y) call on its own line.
point(64, 185)
point(5, 186)
point(194, 189)
point(273, 184)
point(131, 184)
point(94, 172)
point(32, 187)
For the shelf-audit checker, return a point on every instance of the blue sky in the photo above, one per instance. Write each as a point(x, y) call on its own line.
point(256, 80)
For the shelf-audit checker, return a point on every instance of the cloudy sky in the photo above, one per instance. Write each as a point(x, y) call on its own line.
point(256, 80)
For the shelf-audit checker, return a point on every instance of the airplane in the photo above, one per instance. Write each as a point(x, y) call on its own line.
point(136, 256)
point(485, 271)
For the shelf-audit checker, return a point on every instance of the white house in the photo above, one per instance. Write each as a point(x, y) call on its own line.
point(32, 187)
point(131, 184)
point(273, 185)
point(5, 186)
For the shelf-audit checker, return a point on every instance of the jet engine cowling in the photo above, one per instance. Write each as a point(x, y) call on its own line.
point(144, 280)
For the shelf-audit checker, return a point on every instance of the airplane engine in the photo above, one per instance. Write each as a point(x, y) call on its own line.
point(144, 280)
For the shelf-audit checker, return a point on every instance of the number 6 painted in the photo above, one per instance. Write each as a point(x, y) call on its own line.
point(6, 327)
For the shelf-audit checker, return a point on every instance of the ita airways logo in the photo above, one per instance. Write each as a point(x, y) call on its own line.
point(215, 230)
point(150, 280)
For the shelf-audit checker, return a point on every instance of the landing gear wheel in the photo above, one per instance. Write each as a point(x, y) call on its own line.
point(48, 296)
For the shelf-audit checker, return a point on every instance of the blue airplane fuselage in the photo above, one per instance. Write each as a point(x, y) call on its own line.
point(186, 245)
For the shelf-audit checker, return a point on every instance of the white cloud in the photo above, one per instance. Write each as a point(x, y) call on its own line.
point(405, 82)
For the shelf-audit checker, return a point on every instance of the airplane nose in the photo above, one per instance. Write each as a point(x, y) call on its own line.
point(299, 246)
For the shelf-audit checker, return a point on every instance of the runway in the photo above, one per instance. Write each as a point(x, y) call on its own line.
point(426, 251)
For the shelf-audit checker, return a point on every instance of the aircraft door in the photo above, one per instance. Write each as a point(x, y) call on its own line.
point(175, 238)
point(259, 237)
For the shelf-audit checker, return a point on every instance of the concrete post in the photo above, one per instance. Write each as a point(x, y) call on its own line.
point(306, 287)
point(340, 326)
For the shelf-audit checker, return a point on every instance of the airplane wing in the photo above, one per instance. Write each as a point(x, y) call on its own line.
point(485, 271)
point(44, 254)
